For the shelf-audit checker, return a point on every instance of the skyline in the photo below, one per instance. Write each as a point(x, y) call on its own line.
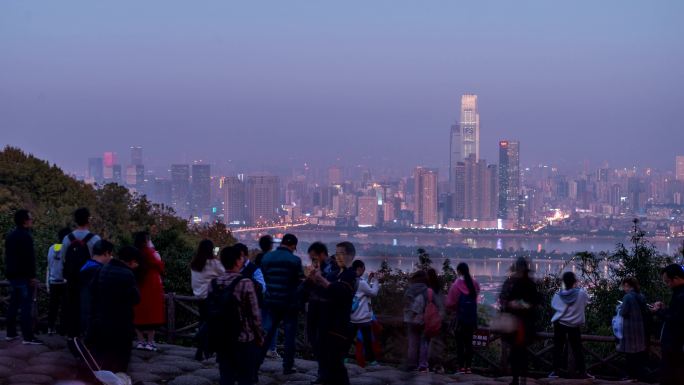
point(310, 83)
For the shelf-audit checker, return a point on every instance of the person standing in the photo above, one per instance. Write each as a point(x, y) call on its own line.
point(283, 273)
point(251, 270)
point(633, 342)
point(20, 270)
point(266, 246)
point(149, 313)
point(672, 334)
point(115, 293)
point(203, 268)
point(362, 311)
point(519, 297)
point(77, 249)
point(56, 284)
point(102, 255)
point(315, 295)
point(238, 359)
point(415, 300)
point(462, 300)
point(569, 305)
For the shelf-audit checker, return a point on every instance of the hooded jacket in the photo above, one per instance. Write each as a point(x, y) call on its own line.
point(569, 306)
point(414, 303)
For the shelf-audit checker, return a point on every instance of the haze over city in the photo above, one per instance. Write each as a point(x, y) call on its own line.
point(270, 87)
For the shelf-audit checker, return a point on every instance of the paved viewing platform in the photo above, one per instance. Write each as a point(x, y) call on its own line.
point(175, 365)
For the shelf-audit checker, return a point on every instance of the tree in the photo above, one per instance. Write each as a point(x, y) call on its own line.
point(424, 261)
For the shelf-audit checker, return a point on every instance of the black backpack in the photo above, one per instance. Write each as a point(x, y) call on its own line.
point(467, 310)
point(77, 254)
point(223, 317)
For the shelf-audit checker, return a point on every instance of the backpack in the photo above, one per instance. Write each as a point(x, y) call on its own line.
point(248, 272)
point(77, 254)
point(467, 310)
point(433, 320)
point(223, 317)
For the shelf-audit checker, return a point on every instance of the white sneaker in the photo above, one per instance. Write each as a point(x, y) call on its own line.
point(151, 347)
point(140, 345)
point(11, 338)
point(273, 354)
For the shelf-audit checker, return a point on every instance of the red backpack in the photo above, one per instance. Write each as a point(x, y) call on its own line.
point(432, 318)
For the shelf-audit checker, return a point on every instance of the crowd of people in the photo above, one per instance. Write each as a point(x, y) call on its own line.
point(113, 300)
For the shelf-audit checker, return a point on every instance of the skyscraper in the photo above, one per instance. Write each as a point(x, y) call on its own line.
point(679, 167)
point(136, 155)
point(201, 189)
point(180, 189)
point(509, 181)
point(470, 126)
point(261, 195)
point(367, 211)
point(426, 200)
point(109, 160)
point(95, 170)
point(455, 154)
point(234, 200)
point(478, 181)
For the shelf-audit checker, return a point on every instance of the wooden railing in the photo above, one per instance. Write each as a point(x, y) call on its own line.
point(183, 314)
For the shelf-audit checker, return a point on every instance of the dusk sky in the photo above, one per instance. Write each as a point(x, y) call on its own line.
point(378, 83)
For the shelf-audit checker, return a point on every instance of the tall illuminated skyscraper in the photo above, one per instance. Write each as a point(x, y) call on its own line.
point(234, 200)
point(455, 154)
point(509, 180)
point(425, 197)
point(679, 167)
point(470, 126)
point(201, 189)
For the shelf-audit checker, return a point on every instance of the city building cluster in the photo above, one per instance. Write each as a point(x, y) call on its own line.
point(474, 195)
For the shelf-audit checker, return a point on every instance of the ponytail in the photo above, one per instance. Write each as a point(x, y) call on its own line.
point(464, 270)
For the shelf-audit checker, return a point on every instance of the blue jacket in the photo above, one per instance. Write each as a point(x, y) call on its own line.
point(283, 274)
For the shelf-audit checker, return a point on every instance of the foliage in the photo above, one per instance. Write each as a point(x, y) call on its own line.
point(424, 260)
point(52, 197)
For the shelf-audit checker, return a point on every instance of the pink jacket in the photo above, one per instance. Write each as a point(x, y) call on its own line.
point(457, 288)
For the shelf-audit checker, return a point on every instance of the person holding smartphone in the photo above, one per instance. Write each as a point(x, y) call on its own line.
point(362, 311)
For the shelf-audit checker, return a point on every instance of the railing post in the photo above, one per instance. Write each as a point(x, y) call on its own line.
point(171, 317)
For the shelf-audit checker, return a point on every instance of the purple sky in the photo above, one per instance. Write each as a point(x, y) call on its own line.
point(372, 82)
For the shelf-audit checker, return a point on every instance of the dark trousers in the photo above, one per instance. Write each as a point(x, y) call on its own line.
point(672, 369)
point(464, 345)
point(518, 359)
point(113, 354)
point(314, 333)
point(21, 299)
point(335, 351)
point(367, 335)
point(289, 320)
point(636, 364)
point(202, 333)
point(566, 335)
point(72, 310)
point(239, 365)
point(57, 302)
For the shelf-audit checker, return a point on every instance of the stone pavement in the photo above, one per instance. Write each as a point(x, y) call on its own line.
point(175, 365)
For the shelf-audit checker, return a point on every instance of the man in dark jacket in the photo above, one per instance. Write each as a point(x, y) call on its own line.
point(102, 255)
point(672, 335)
point(115, 293)
point(283, 274)
point(20, 270)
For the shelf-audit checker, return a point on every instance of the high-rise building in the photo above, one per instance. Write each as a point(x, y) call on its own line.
point(261, 195)
point(470, 126)
point(136, 155)
point(334, 175)
point(426, 200)
point(234, 200)
point(479, 185)
point(201, 189)
point(109, 160)
point(95, 170)
point(679, 167)
point(117, 174)
point(180, 189)
point(367, 211)
point(509, 181)
point(455, 155)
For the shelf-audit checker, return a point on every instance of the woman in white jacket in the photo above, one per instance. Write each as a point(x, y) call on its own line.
point(362, 312)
